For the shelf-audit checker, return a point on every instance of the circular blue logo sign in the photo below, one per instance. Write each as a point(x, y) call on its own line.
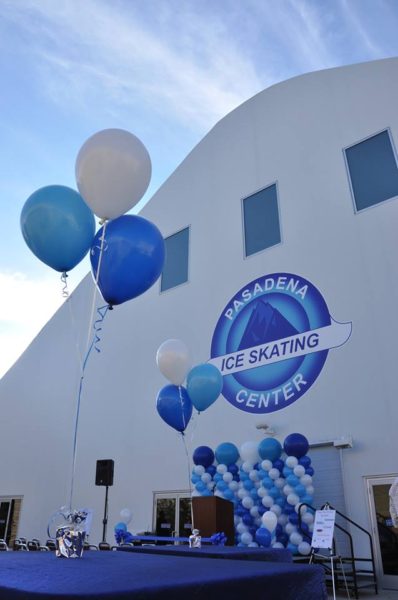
point(272, 340)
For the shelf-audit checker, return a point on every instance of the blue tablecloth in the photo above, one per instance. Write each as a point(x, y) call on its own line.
point(232, 552)
point(126, 576)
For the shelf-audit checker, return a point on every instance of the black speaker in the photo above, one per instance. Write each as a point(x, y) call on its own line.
point(104, 472)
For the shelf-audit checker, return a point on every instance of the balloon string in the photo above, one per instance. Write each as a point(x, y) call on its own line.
point(182, 408)
point(184, 440)
point(65, 291)
point(101, 310)
point(88, 349)
point(94, 344)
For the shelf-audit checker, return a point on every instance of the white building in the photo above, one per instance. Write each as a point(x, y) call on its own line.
point(301, 179)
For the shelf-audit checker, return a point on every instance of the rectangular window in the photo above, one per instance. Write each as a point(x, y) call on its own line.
point(261, 220)
point(175, 270)
point(373, 170)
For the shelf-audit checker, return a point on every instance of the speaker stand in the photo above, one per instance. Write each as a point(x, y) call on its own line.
point(105, 519)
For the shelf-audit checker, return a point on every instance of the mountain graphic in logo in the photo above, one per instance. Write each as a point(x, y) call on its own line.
point(266, 324)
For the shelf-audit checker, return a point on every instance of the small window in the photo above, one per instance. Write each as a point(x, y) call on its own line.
point(261, 220)
point(175, 270)
point(373, 170)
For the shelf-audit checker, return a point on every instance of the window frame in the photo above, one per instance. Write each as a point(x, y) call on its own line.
point(394, 151)
point(189, 261)
point(242, 202)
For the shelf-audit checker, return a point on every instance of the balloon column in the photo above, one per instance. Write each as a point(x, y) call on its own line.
point(204, 384)
point(267, 484)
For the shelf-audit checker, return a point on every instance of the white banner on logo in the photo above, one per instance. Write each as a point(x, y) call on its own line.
point(322, 536)
point(316, 340)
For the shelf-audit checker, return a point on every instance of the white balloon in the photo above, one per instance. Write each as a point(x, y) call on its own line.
point(219, 494)
point(278, 545)
point(291, 462)
point(299, 470)
point(257, 484)
point(283, 519)
point(293, 499)
point(306, 480)
point(199, 470)
point(222, 469)
point(211, 485)
point(246, 538)
point(289, 528)
point(257, 521)
point(269, 520)
point(126, 515)
point(173, 360)
point(241, 528)
point(237, 520)
point(254, 511)
point(288, 489)
point(248, 452)
point(280, 482)
point(247, 466)
point(113, 171)
point(266, 465)
point(206, 477)
point(296, 538)
point(308, 518)
point(233, 485)
point(304, 548)
point(253, 475)
point(267, 501)
point(310, 490)
point(242, 493)
point(302, 510)
point(247, 502)
point(276, 509)
point(253, 545)
point(262, 491)
point(274, 474)
point(227, 477)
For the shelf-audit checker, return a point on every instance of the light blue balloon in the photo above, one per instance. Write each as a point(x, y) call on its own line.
point(226, 453)
point(121, 526)
point(58, 226)
point(204, 385)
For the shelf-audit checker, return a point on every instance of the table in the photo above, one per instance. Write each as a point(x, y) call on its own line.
point(231, 552)
point(128, 576)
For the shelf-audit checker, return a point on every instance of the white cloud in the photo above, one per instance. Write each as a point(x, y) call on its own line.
point(25, 307)
point(93, 53)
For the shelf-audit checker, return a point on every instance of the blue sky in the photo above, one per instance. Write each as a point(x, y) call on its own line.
point(166, 70)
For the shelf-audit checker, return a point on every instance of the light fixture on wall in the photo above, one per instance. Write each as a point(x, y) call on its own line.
point(266, 428)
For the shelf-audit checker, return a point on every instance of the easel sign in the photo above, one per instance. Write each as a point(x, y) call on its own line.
point(322, 536)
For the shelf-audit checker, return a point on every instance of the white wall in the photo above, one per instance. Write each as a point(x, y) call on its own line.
point(293, 133)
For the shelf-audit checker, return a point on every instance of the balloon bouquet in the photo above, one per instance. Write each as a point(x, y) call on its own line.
point(267, 488)
point(175, 402)
point(113, 170)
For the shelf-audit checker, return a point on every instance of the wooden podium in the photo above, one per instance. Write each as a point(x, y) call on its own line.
point(212, 514)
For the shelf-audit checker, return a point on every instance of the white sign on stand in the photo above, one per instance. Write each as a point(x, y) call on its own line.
point(322, 536)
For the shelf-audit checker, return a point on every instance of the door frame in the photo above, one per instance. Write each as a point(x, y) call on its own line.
point(172, 495)
point(389, 582)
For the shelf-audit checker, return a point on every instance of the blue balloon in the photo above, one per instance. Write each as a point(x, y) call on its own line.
point(227, 453)
point(305, 461)
point(234, 469)
point(292, 480)
point(174, 406)
point(293, 548)
point(203, 455)
point(200, 486)
point(268, 483)
point(247, 519)
point(212, 470)
point(269, 449)
point(283, 538)
point(132, 258)
point(278, 464)
point(121, 526)
point(204, 385)
point(296, 445)
point(57, 226)
point(293, 518)
point(263, 537)
point(300, 490)
point(248, 484)
point(309, 471)
point(274, 492)
point(221, 485)
point(287, 471)
point(195, 478)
